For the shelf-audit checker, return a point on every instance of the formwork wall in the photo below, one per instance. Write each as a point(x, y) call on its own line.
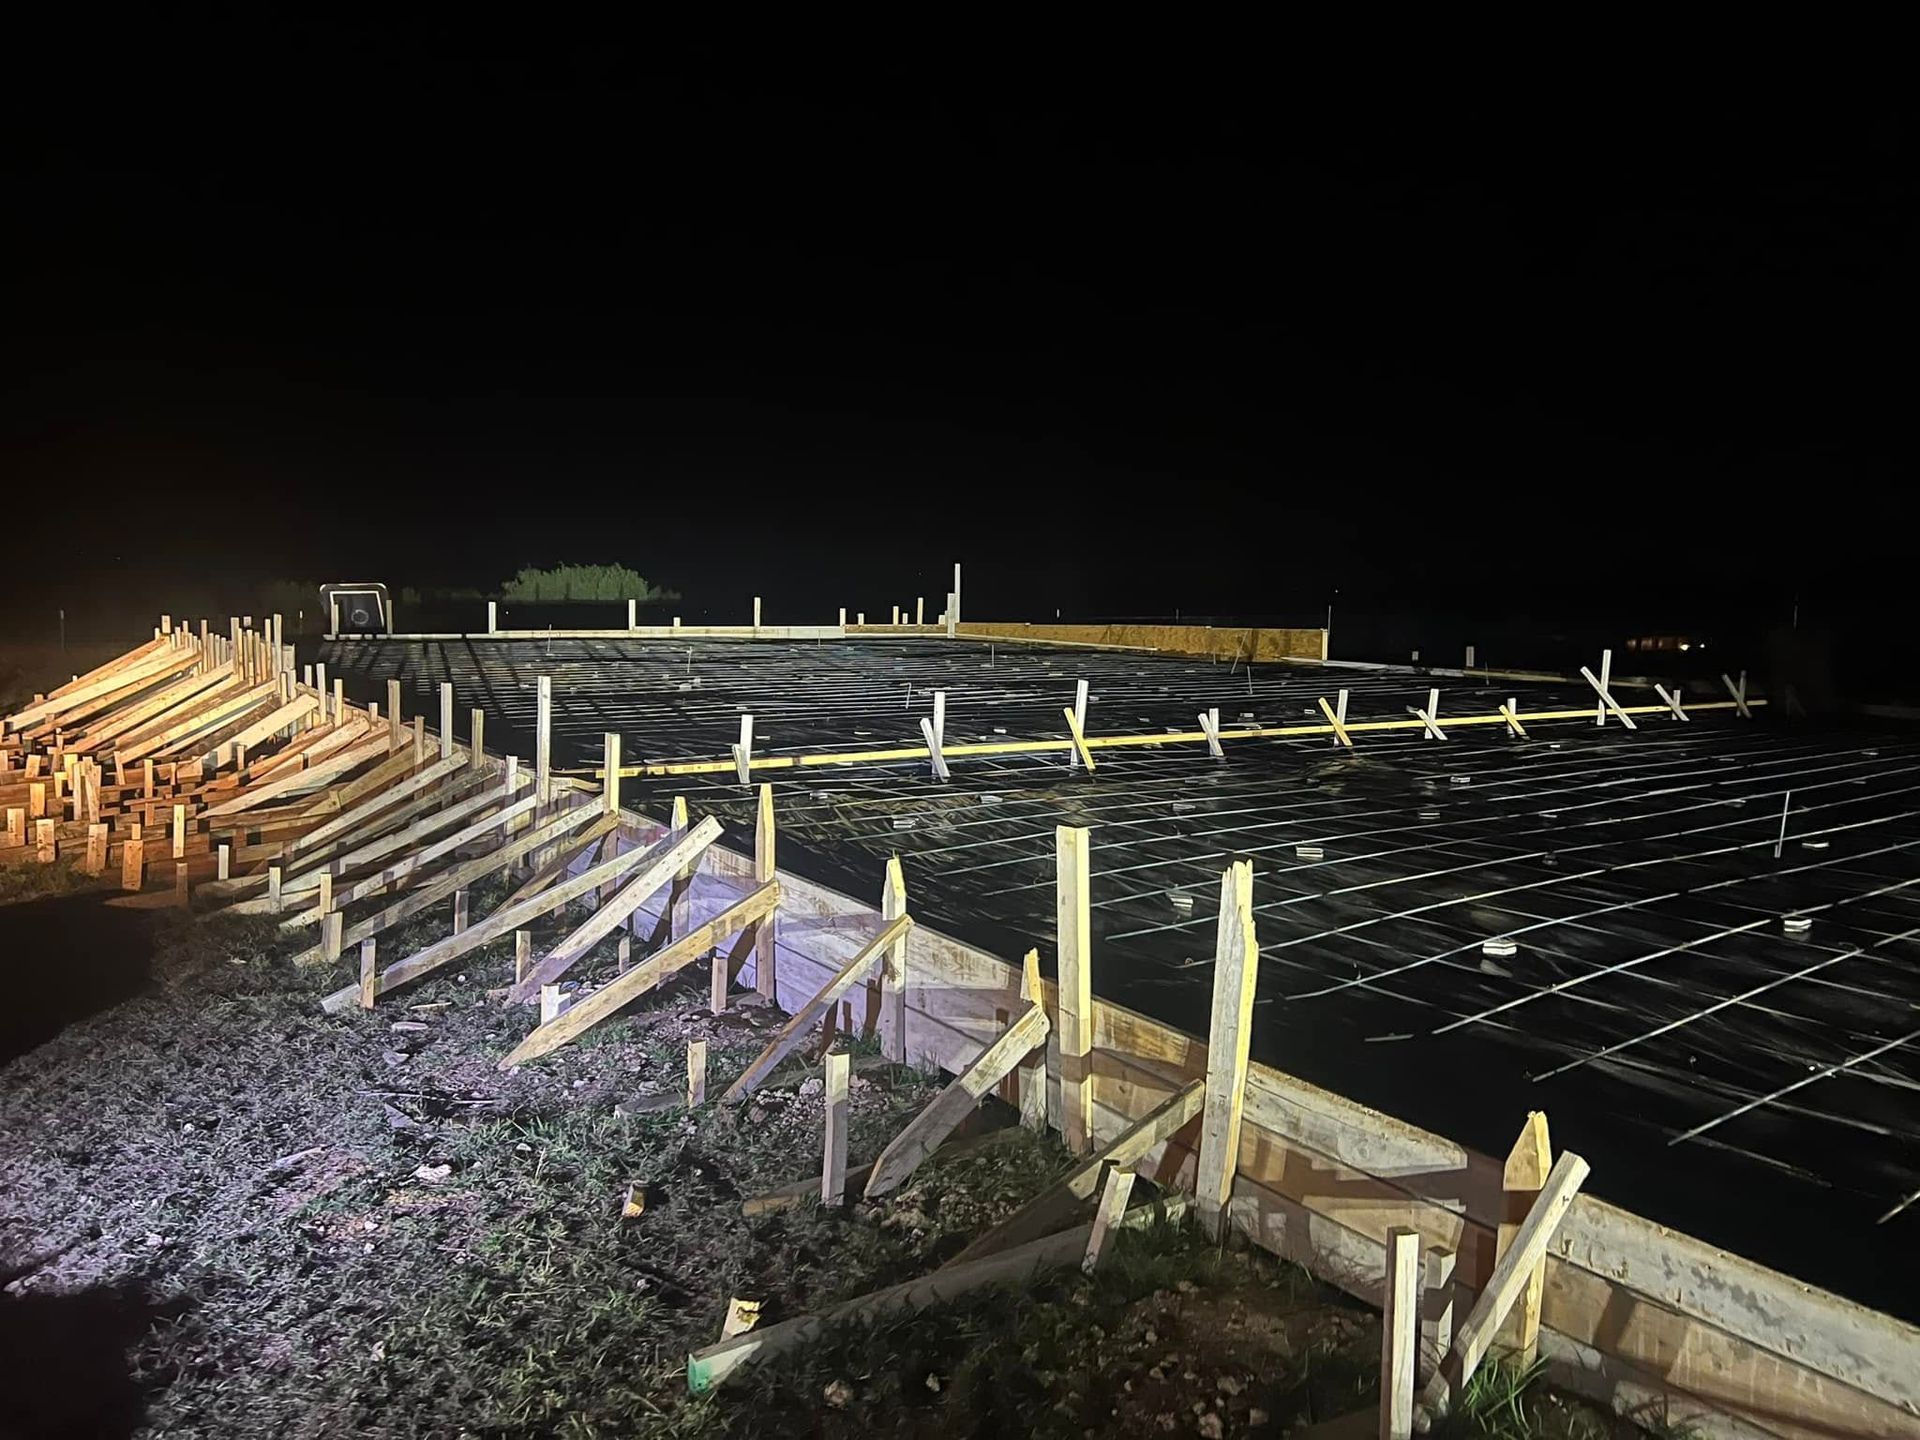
point(1206, 641)
point(1634, 1314)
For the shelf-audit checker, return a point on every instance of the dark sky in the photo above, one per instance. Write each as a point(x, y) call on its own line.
point(1124, 328)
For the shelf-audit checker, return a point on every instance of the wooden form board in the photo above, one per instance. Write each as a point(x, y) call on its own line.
point(1631, 1311)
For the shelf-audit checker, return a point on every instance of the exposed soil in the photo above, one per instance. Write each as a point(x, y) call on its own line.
point(225, 1213)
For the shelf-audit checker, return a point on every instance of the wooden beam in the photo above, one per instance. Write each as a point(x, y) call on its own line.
point(932, 1125)
point(510, 918)
point(1673, 699)
point(1336, 720)
point(716, 1364)
point(623, 989)
point(1526, 1170)
point(833, 1160)
point(1079, 739)
point(1600, 685)
point(1399, 1333)
point(447, 882)
point(810, 1014)
point(893, 970)
point(653, 867)
point(1236, 968)
point(1057, 1205)
point(1114, 1195)
point(1504, 1287)
point(1073, 951)
point(765, 973)
point(1739, 693)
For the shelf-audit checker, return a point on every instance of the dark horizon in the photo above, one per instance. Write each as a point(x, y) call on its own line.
point(1147, 333)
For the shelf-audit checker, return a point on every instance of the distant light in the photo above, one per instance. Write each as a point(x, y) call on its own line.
point(1685, 646)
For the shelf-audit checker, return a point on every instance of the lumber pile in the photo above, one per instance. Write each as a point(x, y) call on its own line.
point(189, 760)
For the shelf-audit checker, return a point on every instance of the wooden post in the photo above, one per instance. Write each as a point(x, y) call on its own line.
point(543, 739)
point(633, 614)
point(225, 862)
point(324, 907)
point(696, 1073)
point(446, 719)
point(46, 847)
point(833, 1161)
point(743, 752)
point(133, 862)
point(96, 849)
point(679, 914)
point(339, 700)
point(179, 832)
point(896, 616)
point(16, 825)
point(1436, 1311)
point(920, 610)
point(1606, 680)
point(274, 874)
point(1399, 1333)
point(1073, 950)
point(610, 771)
point(522, 954)
point(460, 910)
point(1080, 715)
point(369, 974)
point(549, 1004)
point(1528, 1164)
point(764, 935)
point(893, 966)
point(320, 686)
point(419, 738)
point(180, 891)
point(719, 984)
point(332, 927)
point(1236, 968)
point(493, 617)
point(394, 727)
point(477, 723)
point(1505, 1285)
point(1106, 1215)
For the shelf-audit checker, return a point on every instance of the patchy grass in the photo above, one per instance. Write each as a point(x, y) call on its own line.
point(223, 1212)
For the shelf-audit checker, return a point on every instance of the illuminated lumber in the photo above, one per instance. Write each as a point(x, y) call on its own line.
point(302, 780)
point(657, 864)
point(1062, 1200)
point(607, 1001)
point(810, 1014)
point(953, 1104)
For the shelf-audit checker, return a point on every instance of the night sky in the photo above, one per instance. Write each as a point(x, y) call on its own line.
point(1125, 329)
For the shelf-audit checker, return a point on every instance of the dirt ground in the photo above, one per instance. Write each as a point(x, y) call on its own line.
point(225, 1213)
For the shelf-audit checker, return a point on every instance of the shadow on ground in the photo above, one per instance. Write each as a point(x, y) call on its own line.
point(64, 1368)
point(67, 957)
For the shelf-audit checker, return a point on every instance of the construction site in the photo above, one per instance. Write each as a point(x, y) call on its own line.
point(1302, 944)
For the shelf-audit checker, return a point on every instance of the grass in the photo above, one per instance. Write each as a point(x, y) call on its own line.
point(253, 1194)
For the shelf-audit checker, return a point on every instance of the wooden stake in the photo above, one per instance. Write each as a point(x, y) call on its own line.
point(522, 954)
point(1106, 1215)
point(1335, 719)
point(1073, 949)
point(809, 1015)
point(133, 868)
point(1399, 1333)
point(1606, 695)
point(96, 849)
point(719, 984)
point(543, 739)
point(446, 719)
point(610, 772)
point(477, 727)
point(1236, 968)
point(1031, 1092)
point(765, 976)
point(1430, 717)
point(331, 926)
point(369, 973)
point(1739, 693)
point(1210, 727)
point(274, 891)
point(46, 849)
point(1527, 1167)
point(933, 1124)
point(394, 728)
point(1511, 715)
point(550, 1007)
point(677, 916)
point(743, 752)
point(1673, 700)
point(1505, 1286)
point(833, 1159)
point(1436, 1310)
point(696, 1073)
point(460, 910)
point(893, 972)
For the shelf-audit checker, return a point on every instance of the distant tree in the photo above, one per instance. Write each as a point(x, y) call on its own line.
point(581, 582)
